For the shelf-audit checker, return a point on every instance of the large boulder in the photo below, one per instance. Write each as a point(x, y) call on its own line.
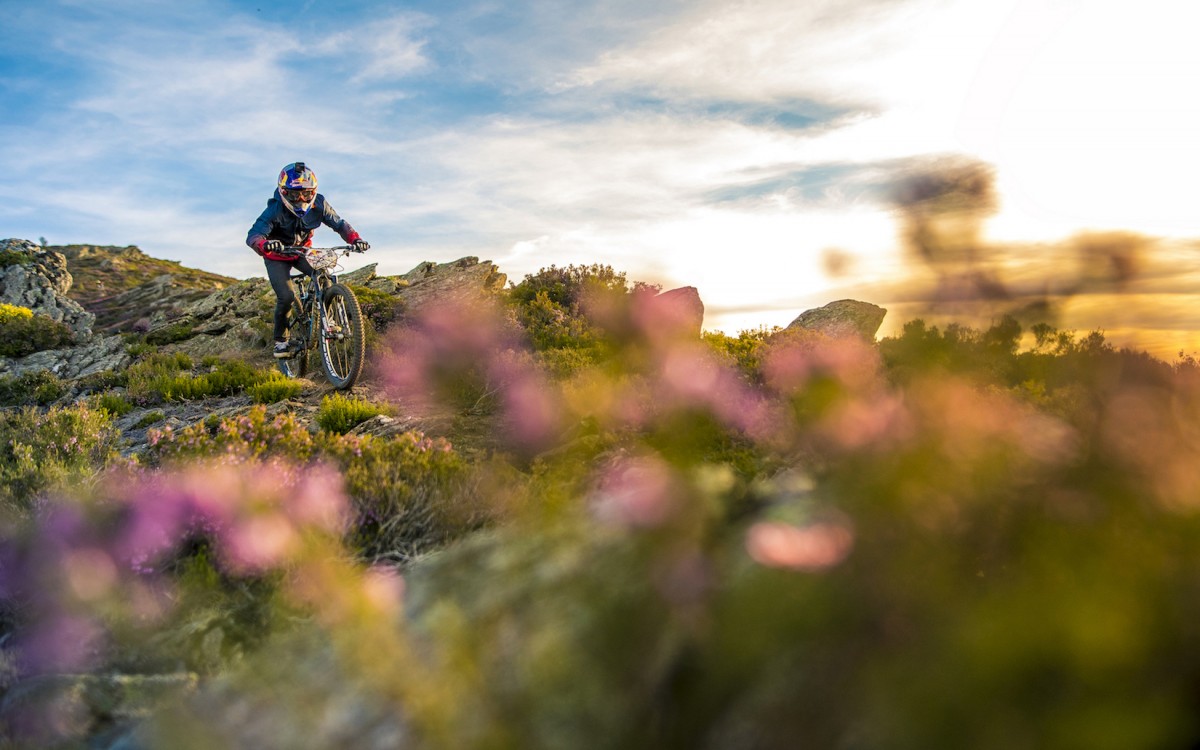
point(32, 276)
point(842, 319)
point(460, 282)
point(679, 311)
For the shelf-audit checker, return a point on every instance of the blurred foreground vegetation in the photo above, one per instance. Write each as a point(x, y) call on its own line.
point(949, 538)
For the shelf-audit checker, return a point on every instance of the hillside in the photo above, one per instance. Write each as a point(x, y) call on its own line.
point(557, 514)
point(123, 285)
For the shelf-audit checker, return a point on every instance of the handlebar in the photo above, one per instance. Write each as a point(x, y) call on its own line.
point(304, 250)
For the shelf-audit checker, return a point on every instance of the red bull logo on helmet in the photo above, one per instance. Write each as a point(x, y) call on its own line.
point(298, 175)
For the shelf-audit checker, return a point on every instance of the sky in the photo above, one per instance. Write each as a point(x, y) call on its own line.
point(747, 148)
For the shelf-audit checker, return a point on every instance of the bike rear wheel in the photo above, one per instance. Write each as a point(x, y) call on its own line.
point(342, 340)
point(296, 366)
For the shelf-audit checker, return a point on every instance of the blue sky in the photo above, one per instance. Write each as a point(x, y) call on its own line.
point(732, 146)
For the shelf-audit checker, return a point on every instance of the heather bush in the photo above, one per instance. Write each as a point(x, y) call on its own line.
point(138, 348)
point(149, 418)
point(14, 258)
point(379, 310)
point(44, 450)
point(745, 350)
point(235, 439)
point(113, 403)
point(169, 377)
point(274, 389)
point(152, 572)
point(101, 381)
point(22, 332)
point(568, 287)
point(561, 311)
point(39, 387)
point(408, 494)
point(341, 414)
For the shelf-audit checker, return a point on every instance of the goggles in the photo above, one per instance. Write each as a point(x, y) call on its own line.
point(301, 195)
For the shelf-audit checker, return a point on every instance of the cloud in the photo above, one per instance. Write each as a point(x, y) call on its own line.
point(386, 50)
point(762, 51)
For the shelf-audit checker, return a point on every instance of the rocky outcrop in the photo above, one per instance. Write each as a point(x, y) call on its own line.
point(124, 288)
point(100, 353)
point(37, 278)
point(681, 310)
point(463, 281)
point(843, 318)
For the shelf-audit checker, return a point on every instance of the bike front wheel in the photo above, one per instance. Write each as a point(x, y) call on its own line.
point(343, 343)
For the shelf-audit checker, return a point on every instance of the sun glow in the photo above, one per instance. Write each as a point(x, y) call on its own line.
point(1088, 114)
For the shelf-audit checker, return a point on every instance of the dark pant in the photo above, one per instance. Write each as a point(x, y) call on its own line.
point(278, 272)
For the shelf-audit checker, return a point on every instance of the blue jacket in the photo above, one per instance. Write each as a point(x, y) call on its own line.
point(277, 222)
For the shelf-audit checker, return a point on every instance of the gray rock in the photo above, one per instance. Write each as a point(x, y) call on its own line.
point(41, 283)
point(843, 318)
point(463, 281)
point(360, 276)
point(97, 355)
point(680, 310)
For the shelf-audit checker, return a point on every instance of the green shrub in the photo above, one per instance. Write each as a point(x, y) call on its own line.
point(234, 376)
point(170, 334)
point(22, 332)
point(550, 307)
point(138, 348)
point(409, 493)
point(379, 310)
point(149, 418)
point(148, 378)
point(40, 387)
point(102, 381)
point(43, 449)
point(114, 404)
point(14, 258)
point(168, 377)
point(567, 287)
point(248, 435)
point(341, 414)
point(274, 389)
point(745, 350)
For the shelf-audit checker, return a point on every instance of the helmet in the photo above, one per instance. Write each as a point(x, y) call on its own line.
point(297, 187)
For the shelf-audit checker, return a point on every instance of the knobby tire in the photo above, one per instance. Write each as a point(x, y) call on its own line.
point(342, 340)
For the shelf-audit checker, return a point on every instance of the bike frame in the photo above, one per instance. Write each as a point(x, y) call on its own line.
point(312, 317)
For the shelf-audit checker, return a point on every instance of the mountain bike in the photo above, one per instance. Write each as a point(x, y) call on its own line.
point(325, 317)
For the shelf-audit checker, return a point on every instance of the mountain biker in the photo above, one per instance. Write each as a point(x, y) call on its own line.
point(292, 214)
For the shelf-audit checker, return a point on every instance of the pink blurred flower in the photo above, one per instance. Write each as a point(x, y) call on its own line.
point(636, 492)
point(813, 547)
point(91, 573)
point(319, 500)
point(384, 589)
point(794, 357)
point(60, 642)
point(258, 543)
point(532, 410)
point(864, 421)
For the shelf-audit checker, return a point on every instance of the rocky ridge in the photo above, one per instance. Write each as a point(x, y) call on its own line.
point(123, 287)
